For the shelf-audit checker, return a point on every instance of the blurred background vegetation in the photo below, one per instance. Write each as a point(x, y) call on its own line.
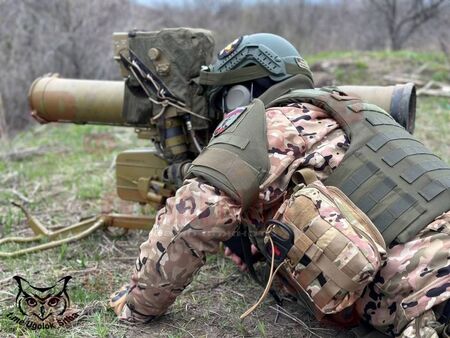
point(73, 37)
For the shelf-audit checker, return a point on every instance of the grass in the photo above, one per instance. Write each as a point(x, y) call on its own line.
point(369, 67)
point(385, 55)
point(70, 176)
point(433, 125)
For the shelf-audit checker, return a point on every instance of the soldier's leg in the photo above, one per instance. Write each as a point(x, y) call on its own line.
point(192, 224)
point(414, 280)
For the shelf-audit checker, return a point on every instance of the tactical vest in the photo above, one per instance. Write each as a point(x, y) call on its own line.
point(386, 172)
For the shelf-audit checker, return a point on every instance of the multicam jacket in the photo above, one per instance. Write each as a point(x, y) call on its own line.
point(414, 279)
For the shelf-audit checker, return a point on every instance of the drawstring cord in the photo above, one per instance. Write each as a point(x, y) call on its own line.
point(269, 281)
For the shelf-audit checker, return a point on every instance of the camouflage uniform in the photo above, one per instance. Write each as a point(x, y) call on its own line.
point(195, 221)
point(415, 278)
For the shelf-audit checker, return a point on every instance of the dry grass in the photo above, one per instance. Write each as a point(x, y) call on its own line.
point(64, 173)
point(62, 177)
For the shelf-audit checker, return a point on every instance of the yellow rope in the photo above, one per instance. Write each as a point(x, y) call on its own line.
point(269, 282)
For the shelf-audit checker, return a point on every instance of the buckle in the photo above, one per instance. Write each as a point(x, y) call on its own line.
point(282, 244)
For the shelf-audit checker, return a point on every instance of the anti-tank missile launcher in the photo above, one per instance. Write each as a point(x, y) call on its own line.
point(162, 98)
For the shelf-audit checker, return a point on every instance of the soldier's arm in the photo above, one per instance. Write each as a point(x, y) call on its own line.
point(192, 224)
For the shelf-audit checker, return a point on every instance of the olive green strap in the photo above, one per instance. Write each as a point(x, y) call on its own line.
point(304, 175)
point(245, 74)
point(299, 81)
point(294, 69)
point(233, 76)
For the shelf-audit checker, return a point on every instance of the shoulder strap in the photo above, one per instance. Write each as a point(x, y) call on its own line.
point(343, 108)
point(304, 175)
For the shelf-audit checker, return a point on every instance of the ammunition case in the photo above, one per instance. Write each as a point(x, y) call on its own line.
point(139, 175)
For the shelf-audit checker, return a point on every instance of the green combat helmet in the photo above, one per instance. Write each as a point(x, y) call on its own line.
point(250, 65)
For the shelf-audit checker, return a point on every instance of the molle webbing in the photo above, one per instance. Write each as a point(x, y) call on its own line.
point(386, 172)
point(236, 161)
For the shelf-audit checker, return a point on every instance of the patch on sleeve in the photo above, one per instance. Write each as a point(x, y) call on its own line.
point(230, 48)
point(228, 120)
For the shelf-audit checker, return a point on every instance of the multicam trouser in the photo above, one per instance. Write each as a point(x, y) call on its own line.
point(413, 282)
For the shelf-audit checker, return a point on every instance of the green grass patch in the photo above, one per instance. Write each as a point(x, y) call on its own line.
point(434, 58)
point(433, 125)
point(369, 67)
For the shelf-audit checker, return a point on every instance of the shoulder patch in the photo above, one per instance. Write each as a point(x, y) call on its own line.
point(230, 48)
point(228, 120)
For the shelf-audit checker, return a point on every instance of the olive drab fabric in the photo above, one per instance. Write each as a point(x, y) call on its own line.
point(386, 172)
point(175, 56)
point(236, 160)
point(284, 87)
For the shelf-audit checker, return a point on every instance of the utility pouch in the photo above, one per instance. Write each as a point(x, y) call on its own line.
point(330, 250)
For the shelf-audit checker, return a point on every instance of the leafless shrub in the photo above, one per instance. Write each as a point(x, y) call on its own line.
point(73, 37)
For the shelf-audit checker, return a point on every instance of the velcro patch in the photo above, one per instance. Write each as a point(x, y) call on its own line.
point(228, 120)
point(230, 48)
